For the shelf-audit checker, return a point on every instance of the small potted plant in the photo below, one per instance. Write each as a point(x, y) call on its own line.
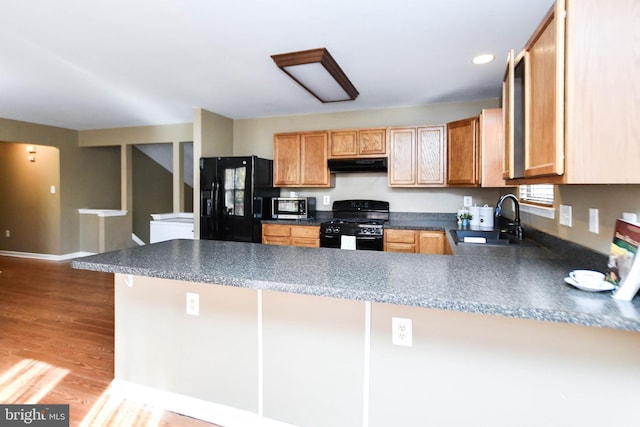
point(465, 219)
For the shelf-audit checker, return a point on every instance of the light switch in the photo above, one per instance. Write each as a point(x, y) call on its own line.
point(53, 189)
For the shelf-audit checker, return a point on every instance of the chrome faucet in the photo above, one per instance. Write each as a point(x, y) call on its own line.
point(511, 227)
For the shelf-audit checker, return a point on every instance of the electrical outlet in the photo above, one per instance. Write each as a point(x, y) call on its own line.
point(467, 201)
point(7, 233)
point(193, 304)
point(401, 331)
point(593, 221)
point(326, 200)
point(566, 215)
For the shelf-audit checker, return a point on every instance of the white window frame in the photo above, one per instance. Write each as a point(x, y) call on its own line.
point(545, 209)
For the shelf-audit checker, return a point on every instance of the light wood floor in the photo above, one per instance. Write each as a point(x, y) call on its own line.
point(56, 344)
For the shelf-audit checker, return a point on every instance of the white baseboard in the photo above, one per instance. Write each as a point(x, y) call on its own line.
point(190, 406)
point(137, 240)
point(47, 257)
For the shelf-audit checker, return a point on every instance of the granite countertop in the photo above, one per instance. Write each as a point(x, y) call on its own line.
point(514, 284)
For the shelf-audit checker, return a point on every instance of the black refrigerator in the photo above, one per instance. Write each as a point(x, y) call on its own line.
point(235, 195)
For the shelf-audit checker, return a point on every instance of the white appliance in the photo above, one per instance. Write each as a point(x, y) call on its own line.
point(485, 217)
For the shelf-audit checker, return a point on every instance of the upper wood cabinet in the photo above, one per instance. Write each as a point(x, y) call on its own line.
point(417, 156)
point(544, 97)
point(491, 141)
point(475, 150)
point(463, 152)
point(300, 160)
point(581, 95)
point(602, 130)
point(352, 143)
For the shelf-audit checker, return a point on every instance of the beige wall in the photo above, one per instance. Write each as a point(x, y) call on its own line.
point(149, 188)
point(82, 182)
point(255, 136)
point(152, 192)
point(29, 211)
point(610, 200)
point(213, 135)
point(136, 135)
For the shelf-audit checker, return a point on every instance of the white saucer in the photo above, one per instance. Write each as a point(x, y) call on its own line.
point(602, 286)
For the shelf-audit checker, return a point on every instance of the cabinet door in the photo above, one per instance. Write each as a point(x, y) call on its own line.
point(402, 153)
point(343, 143)
point(462, 152)
point(313, 155)
point(491, 148)
point(431, 242)
point(507, 118)
point(431, 156)
point(372, 142)
point(286, 159)
point(544, 94)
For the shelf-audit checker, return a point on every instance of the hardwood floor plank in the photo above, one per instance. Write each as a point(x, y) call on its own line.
point(56, 345)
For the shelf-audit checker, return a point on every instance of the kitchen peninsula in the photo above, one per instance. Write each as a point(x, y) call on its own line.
point(303, 336)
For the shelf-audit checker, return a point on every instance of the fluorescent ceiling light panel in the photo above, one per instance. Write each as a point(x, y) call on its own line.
point(317, 72)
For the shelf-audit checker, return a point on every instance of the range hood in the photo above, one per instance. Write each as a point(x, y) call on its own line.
point(358, 165)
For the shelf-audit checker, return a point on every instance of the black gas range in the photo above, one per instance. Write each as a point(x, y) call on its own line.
point(356, 224)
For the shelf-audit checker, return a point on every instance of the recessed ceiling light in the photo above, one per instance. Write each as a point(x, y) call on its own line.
point(483, 59)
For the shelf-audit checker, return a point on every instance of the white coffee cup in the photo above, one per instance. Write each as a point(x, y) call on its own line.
point(587, 277)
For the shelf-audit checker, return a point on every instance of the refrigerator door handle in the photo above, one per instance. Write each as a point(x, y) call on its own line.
point(216, 206)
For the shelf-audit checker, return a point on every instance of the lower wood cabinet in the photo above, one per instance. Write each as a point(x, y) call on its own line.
point(433, 242)
point(291, 235)
point(400, 241)
point(395, 240)
point(416, 241)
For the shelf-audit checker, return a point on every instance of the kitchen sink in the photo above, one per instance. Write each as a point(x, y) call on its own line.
point(487, 237)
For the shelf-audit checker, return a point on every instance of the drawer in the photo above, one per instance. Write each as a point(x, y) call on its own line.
point(305, 231)
point(276, 240)
point(276, 230)
point(400, 236)
point(310, 243)
point(400, 247)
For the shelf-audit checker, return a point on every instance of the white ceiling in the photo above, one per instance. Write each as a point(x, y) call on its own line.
point(83, 64)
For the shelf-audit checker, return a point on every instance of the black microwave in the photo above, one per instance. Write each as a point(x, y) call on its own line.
point(293, 207)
